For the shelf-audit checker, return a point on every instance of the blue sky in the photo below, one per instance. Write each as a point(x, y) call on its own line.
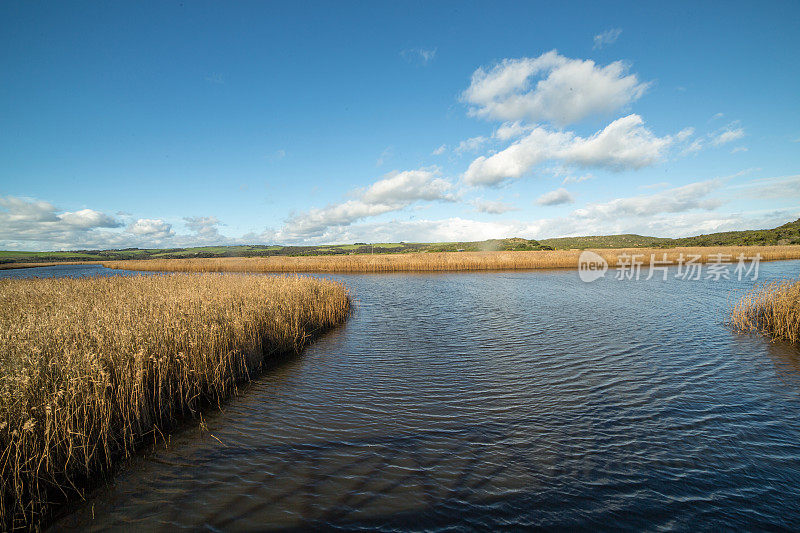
point(177, 124)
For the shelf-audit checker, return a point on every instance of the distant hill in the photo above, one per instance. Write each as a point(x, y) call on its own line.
point(787, 234)
point(782, 235)
point(627, 240)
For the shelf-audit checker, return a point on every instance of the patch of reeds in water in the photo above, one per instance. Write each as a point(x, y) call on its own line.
point(445, 261)
point(772, 309)
point(92, 368)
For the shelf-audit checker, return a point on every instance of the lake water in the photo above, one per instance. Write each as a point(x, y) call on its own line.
point(495, 401)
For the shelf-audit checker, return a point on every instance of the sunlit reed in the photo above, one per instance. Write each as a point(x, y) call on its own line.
point(442, 261)
point(772, 309)
point(92, 368)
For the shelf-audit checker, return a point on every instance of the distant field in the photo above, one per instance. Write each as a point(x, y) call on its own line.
point(442, 261)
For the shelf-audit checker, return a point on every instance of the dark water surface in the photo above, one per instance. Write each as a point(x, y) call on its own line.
point(496, 401)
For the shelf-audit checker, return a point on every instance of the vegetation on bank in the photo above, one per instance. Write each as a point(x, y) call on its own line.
point(772, 309)
point(426, 262)
point(788, 234)
point(91, 368)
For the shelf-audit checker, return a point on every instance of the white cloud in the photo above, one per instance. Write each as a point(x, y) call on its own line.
point(731, 132)
point(31, 224)
point(739, 149)
point(462, 229)
point(607, 37)
point(493, 207)
point(624, 144)
point(676, 200)
point(470, 145)
point(152, 228)
point(781, 187)
point(684, 134)
point(88, 219)
point(511, 130)
point(727, 135)
point(577, 179)
point(392, 193)
point(567, 90)
point(419, 56)
point(28, 224)
point(206, 227)
point(557, 197)
point(440, 150)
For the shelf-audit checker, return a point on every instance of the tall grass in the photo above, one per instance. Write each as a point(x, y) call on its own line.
point(91, 368)
point(410, 262)
point(772, 309)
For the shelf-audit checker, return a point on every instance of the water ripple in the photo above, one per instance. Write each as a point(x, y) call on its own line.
point(495, 401)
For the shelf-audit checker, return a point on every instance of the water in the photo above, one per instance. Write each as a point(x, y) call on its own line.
point(495, 401)
point(61, 271)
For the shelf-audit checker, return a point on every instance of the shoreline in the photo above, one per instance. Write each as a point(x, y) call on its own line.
point(452, 261)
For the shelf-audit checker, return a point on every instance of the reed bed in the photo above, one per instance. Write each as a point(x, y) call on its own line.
point(92, 368)
point(442, 261)
point(772, 309)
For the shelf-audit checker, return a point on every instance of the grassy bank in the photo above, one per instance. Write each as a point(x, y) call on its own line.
point(772, 309)
point(92, 368)
point(421, 262)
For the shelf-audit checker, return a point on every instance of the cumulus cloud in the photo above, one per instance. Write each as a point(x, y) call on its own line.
point(27, 223)
point(88, 219)
point(207, 227)
point(567, 90)
point(152, 228)
point(675, 200)
point(607, 37)
point(557, 197)
point(392, 193)
point(624, 144)
point(440, 150)
point(493, 207)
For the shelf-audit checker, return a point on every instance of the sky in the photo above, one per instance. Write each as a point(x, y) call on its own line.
point(172, 124)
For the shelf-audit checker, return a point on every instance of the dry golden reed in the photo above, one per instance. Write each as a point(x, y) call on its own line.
point(772, 309)
point(440, 261)
point(94, 367)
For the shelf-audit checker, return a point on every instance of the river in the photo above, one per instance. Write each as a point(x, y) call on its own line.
point(498, 400)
